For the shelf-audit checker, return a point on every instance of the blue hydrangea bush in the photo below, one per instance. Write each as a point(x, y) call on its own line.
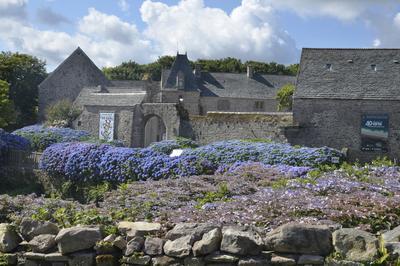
point(229, 152)
point(12, 142)
point(42, 137)
point(167, 146)
point(85, 162)
point(101, 162)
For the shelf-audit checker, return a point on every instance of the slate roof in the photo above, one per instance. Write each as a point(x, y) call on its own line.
point(182, 64)
point(96, 75)
point(111, 96)
point(355, 74)
point(235, 85)
point(240, 86)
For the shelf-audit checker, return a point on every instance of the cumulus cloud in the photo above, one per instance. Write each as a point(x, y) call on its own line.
point(249, 32)
point(13, 8)
point(103, 42)
point(47, 16)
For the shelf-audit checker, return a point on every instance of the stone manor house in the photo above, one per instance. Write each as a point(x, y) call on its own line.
point(344, 98)
point(146, 111)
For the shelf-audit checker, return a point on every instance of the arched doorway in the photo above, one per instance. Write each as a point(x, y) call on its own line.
point(154, 130)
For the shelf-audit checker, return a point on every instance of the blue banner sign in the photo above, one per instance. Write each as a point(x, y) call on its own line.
point(375, 132)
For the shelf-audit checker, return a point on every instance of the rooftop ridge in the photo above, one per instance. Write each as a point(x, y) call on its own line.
point(370, 48)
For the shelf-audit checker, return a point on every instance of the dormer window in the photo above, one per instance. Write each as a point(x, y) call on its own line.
point(373, 67)
point(328, 67)
point(180, 80)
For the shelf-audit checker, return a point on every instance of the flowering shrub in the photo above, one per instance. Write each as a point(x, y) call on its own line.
point(229, 152)
point(243, 167)
point(167, 146)
point(42, 137)
point(9, 141)
point(93, 162)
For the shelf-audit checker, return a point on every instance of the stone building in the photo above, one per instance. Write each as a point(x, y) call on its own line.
point(141, 112)
point(349, 98)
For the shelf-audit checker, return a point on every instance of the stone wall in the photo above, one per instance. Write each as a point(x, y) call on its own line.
point(216, 126)
point(210, 104)
point(337, 124)
point(130, 121)
point(142, 243)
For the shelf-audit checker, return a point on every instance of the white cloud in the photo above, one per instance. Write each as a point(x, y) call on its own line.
point(387, 30)
point(49, 17)
point(105, 38)
point(13, 8)
point(123, 4)
point(249, 32)
point(340, 9)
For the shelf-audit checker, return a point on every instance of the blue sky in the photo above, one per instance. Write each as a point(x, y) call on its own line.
point(111, 31)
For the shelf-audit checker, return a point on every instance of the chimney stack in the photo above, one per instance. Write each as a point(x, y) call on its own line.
point(250, 72)
point(197, 71)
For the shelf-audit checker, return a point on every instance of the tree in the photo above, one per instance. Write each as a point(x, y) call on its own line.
point(126, 71)
point(284, 97)
point(7, 114)
point(133, 71)
point(154, 69)
point(23, 73)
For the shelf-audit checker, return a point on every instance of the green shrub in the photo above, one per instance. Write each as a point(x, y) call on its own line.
point(61, 113)
point(222, 194)
point(284, 97)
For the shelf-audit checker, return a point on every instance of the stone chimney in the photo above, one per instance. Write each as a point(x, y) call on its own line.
point(197, 71)
point(101, 89)
point(250, 72)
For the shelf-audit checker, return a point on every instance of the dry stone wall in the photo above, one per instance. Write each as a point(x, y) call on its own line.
point(190, 244)
point(216, 126)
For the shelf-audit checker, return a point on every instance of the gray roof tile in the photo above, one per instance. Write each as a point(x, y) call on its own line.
point(351, 76)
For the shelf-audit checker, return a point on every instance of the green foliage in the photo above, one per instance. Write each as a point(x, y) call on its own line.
point(382, 161)
point(133, 71)
point(69, 215)
point(360, 173)
point(186, 143)
point(222, 194)
point(62, 113)
point(41, 140)
point(24, 73)
point(82, 191)
point(279, 183)
point(383, 253)
point(284, 97)
point(7, 114)
point(96, 193)
point(126, 71)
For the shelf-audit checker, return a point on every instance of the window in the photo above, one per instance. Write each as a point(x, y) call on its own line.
point(180, 80)
point(259, 106)
point(328, 67)
point(223, 105)
point(373, 67)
